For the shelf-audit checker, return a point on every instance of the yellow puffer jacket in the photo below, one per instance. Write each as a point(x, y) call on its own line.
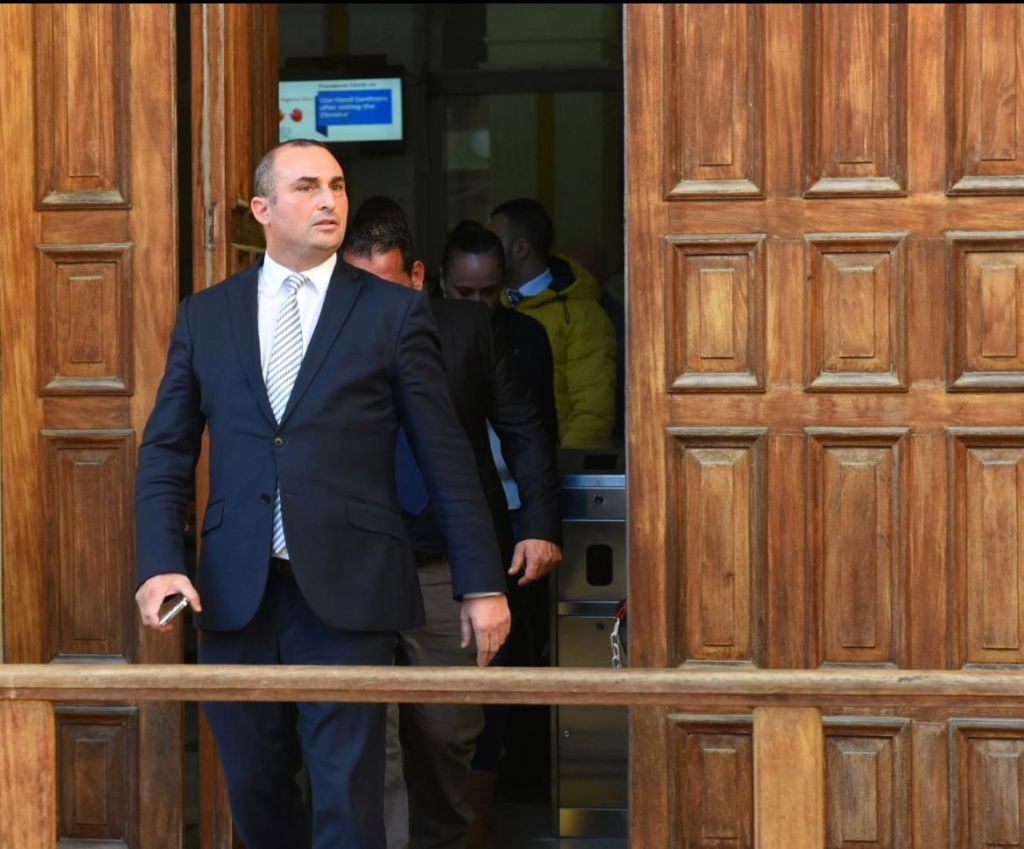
point(583, 349)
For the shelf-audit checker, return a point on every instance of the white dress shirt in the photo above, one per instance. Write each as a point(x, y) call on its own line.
point(270, 298)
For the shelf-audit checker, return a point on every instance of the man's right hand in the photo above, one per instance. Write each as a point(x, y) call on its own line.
point(487, 621)
point(152, 593)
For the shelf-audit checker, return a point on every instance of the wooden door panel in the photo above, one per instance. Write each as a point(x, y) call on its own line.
point(987, 767)
point(867, 783)
point(714, 66)
point(986, 94)
point(855, 99)
point(986, 310)
point(97, 757)
point(856, 312)
point(715, 313)
point(85, 301)
point(826, 359)
point(987, 482)
point(714, 761)
point(854, 500)
point(88, 288)
point(84, 156)
point(89, 527)
point(718, 551)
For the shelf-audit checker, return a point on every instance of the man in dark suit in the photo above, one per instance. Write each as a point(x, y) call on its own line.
point(473, 269)
point(305, 557)
point(438, 740)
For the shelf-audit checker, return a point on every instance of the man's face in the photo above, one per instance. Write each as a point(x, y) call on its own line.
point(304, 222)
point(388, 265)
point(474, 277)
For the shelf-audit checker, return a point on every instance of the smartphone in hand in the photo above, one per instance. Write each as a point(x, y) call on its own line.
point(172, 606)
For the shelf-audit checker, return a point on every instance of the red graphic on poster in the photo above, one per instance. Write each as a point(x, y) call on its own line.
point(296, 115)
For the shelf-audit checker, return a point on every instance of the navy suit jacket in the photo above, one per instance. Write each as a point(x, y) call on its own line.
point(372, 363)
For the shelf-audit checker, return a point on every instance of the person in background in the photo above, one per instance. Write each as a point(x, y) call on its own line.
point(473, 268)
point(587, 256)
point(568, 305)
point(437, 741)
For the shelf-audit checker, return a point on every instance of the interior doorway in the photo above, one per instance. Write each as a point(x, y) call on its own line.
point(497, 101)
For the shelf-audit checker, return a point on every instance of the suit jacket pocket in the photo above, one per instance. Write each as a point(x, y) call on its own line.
point(214, 516)
point(375, 518)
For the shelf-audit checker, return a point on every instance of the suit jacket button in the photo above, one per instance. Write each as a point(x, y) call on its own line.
point(278, 441)
point(264, 498)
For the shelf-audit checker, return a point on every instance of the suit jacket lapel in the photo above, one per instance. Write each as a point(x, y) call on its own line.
point(338, 302)
point(243, 310)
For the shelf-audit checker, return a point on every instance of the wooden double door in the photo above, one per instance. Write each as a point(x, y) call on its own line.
point(826, 358)
point(826, 312)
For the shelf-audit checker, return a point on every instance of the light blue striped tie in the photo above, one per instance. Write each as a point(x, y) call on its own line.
point(285, 359)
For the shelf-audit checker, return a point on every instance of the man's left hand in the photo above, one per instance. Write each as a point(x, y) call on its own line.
point(534, 558)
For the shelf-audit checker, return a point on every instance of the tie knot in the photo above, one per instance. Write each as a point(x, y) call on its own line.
point(294, 282)
point(514, 296)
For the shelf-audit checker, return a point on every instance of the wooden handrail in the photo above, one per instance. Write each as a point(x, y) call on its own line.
point(689, 688)
point(787, 706)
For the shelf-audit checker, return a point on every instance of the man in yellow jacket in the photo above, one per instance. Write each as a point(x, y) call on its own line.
point(564, 298)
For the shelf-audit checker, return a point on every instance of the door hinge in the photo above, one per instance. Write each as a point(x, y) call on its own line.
point(209, 225)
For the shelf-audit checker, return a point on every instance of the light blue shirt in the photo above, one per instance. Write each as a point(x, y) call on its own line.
point(537, 285)
point(507, 482)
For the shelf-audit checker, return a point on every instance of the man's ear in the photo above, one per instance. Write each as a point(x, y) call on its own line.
point(418, 274)
point(260, 209)
point(521, 249)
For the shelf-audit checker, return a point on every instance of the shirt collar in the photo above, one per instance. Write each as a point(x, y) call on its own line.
point(539, 283)
point(273, 275)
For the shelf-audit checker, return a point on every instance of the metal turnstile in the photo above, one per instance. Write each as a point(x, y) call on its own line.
point(590, 758)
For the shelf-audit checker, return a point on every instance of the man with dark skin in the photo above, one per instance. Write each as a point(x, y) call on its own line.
point(473, 269)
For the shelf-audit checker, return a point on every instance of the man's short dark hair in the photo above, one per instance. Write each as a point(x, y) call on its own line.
point(381, 206)
point(530, 221)
point(377, 234)
point(471, 237)
point(263, 178)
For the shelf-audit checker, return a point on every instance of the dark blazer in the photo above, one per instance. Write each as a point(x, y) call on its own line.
point(485, 386)
point(532, 351)
point(373, 362)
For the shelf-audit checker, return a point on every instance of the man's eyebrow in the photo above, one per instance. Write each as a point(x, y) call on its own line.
point(336, 179)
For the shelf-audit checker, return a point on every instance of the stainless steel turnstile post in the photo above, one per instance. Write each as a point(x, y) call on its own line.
point(590, 743)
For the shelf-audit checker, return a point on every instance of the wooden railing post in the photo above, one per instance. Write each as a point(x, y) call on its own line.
point(28, 775)
point(789, 779)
